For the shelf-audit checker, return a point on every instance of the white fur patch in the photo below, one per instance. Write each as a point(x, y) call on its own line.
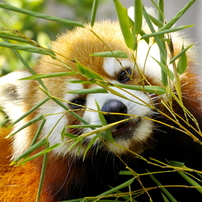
point(112, 67)
point(13, 94)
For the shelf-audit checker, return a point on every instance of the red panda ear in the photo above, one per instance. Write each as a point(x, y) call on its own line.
point(14, 98)
point(13, 92)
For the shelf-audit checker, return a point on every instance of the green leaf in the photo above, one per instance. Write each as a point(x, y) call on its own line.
point(26, 64)
point(30, 111)
point(88, 91)
point(69, 135)
point(150, 89)
point(38, 118)
point(84, 126)
point(167, 31)
point(45, 151)
point(40, 15)
point(182, 63)
point(27, 48)
point(157, 22)
point(164, 190)
point(138, 16)
point(125, 24)
point(176, 163)
point(165, 68)
point(12, 37)
point(177, 16)
point(43, 76)
point(42, 176)
point(94, 11)
point(81, 81)
point(30, 150)
point(179, 54)
point(107, 135)
point(160, 43)
point(90, 144)
point(186, 177)
point(117, 54)
point(71, 112)
point(191, 181)
point(88, 73)
point(121, 186)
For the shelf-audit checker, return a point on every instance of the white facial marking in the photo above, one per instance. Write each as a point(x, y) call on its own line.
point(112, 67)
point(72, 87)
point(13, 94)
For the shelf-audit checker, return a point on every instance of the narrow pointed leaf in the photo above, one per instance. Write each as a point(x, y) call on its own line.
point(124, 24)
point(138, 16)
point(31, 149)
point(88, 91)
point(182, 63)
point(117, 54)
point(40, 15)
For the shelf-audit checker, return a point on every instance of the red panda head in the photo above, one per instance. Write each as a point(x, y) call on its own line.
point(19, 96)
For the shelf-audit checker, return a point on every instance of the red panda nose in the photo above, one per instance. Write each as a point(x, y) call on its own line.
point(114, 106)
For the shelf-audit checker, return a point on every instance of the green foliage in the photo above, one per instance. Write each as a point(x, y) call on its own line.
point(33, 28)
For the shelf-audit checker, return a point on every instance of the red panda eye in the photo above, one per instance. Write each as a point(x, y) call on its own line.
point(77, 103)
point(124, 75)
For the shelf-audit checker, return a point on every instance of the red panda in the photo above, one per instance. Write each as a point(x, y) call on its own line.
point(154, 132)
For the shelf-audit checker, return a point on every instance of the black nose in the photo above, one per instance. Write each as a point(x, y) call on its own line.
point(114, 106)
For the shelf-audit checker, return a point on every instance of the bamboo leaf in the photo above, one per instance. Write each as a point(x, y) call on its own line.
point(30, 150)
point(81, 81)
point(38, 118)
point(40, 15)
point(107, 135)
point(88, 91)
point(151, 89)
point(138, 16)
point(94, 11)
point(165, 68)
point(30, 111)
point(164, 190)
point(157, 22)
point(42, 176)
point(92, 141)
point(45, 151)
point(71, 112)
point(124, 24)
point(85, 126)
point(39, 130)
point(43, 76)
point(12, 37)
point(182, 63)
point(26, 64)
point(117, 54)
point(178, 15)
point(87, 72)
point(27, 48)
point(191, 181)
point(179, 54)
point(121, 186)
point(167, 31)
point(161, 45)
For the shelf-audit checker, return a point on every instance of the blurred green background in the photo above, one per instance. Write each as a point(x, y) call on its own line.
point(42, 31)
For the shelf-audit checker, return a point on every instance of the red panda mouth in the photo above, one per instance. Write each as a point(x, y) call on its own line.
point(125, 129)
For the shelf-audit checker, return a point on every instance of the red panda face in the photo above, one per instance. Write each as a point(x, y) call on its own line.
point(19, 96)
point(136, 104)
